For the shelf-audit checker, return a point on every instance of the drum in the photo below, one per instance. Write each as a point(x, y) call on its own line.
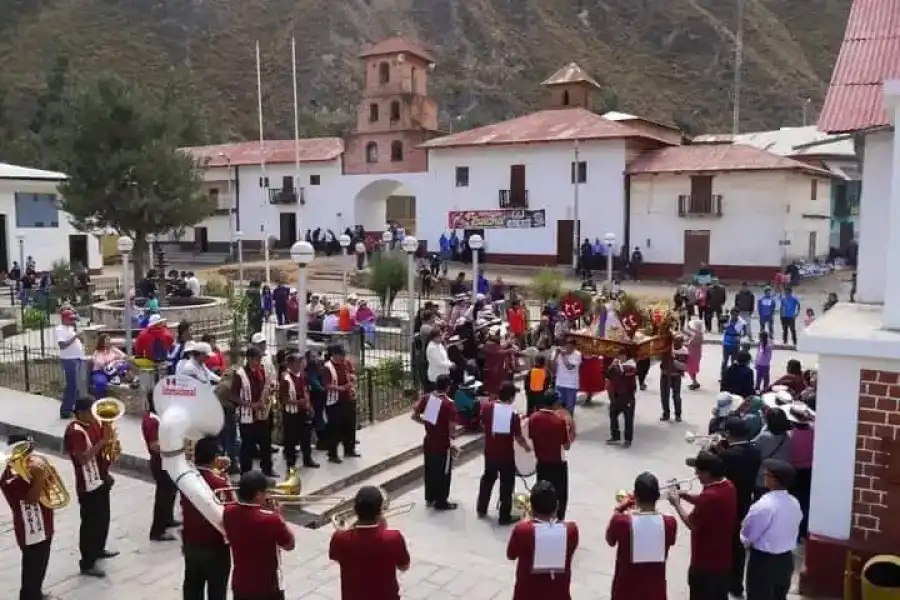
point(526, 463)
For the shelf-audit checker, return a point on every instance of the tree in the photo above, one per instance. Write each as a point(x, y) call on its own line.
point(119, 147)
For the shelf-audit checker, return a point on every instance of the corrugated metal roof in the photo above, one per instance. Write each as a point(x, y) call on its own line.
point(571, 73)
point(276, 152)
point(8, 171)
point(869, 55)
point(715, 157)
point(625, 117)
point(556, 125)
point(397, 45)
point(787, 141)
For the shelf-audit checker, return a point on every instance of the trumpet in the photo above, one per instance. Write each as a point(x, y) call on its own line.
point(54, 495)
point(107, 411)
point(671, 485)
point(347, 519)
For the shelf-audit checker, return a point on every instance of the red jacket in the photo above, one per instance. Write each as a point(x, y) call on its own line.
point(151, 340)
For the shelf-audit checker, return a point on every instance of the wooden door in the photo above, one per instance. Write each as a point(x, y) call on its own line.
point(565, 231)
point(696, 250)
point(811, 251)
point(287, 225)
point(517, 185)
point(78, 250)
point(201, 239)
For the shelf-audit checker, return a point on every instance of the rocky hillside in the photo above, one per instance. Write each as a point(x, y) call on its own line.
point(667, 59)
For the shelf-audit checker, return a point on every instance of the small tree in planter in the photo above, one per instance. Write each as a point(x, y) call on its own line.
point(547, 285)
point(387, 276)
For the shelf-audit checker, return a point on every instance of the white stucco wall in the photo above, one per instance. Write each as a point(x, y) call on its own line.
point(759, 209)
point(46, 244)
point(873, 224)
point(549, 185)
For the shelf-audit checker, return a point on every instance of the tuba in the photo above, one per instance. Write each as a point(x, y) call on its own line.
point(54, 495)
point(107, 411)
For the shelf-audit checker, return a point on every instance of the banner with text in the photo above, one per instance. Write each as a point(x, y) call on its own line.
point(516, 218)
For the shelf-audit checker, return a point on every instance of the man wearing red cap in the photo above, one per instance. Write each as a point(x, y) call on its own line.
point(71, 355)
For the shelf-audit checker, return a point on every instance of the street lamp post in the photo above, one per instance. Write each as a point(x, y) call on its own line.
point(21, 240)
point(386, 238)
point(476, 243)
point(360, 256)
point(151, 240)
point(125, 245)
point(344, 240)
point(302, 253)
point(239, 240)
point(410, 245)
point(610, 240)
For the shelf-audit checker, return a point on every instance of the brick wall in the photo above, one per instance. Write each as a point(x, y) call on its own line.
point(876, 501)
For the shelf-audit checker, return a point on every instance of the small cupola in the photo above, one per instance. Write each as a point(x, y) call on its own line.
point(571, 87)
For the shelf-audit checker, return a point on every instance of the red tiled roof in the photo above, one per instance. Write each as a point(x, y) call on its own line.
point(276, 152)
point(558, 125)
point(715, 157)
point(870, 54)
point(396, 45)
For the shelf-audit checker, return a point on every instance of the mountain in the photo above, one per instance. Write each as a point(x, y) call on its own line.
point(670, 60)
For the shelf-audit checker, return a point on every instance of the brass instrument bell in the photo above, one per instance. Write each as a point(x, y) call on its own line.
point(107, 411)
point(54, 495)
point(522, 504)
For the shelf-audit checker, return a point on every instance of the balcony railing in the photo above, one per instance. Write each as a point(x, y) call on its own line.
point(279, 196)
point(693, 205)
point(513, 198)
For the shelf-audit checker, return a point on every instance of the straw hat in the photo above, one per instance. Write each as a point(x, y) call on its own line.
point(798, 412)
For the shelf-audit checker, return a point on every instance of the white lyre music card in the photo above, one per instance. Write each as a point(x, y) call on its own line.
point(550, 547)
point(502, 421)
point(648, 538)
point(432, 409)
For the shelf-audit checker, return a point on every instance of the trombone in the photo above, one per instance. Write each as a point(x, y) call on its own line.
point(284, 493)
point(671, 485)
point(107, 411)
point(347, 519)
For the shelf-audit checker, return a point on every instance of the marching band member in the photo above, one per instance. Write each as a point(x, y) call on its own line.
point(551, 438)
point(249, 390)
point(297, 417)
point(84, 440)
point(207, 557)
point(257, 533)
point(712, 523)
point(273, 417)
point(32, 523)
point(502, 427)
point(437, 413)
point(622, 388)
point(340, 405)
point(543, 548)
point(642, 537)
point(193, 363)
point(370, 553)
point(164, 496)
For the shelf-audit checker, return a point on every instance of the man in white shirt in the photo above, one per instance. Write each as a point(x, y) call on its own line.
point(567, 363)
point(71, 355)
point(193, 363)
point(193, 284)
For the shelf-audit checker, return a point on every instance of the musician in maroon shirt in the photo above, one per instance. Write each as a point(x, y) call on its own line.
point(257, 533)
point(207, 557)
point(164, 497)
point(712, 523)
point(339, 379)
point(437, 413)
point(250, 393)
point(543, 548)
point(502, 428)
point(32, 522)
point(551, 439)
point(84, 441)
point(293, 395)
point(642, 538)
point(369, 553)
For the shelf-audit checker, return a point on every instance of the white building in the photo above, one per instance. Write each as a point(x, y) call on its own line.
point(31, 223)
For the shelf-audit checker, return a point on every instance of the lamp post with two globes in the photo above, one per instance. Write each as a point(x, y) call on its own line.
point(302, 253)
point(344, 240)
point(239, 240)
point(476, 243)
point(410, 245)
point(610, 240)
point(125, 245)
point(386, 238)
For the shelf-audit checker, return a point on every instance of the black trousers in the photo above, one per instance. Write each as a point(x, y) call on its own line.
point(256, 440)
point(297, 431)
point(438, 475)
point(769, 575)
point(206, 569)
point(35, 559)
point(708, 586)
point(624, 407)
point(670, 388)
point(738, 561)
point(788, 325)
point(163, 503)
point(801, 490)
point(506, 472)
point(558, 475)
point(278, 596)
point(341, 427)
point(94, 508)
point(643, 368)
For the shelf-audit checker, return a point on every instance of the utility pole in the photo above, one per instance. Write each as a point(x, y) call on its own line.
point(738, 66)
point(806, 104)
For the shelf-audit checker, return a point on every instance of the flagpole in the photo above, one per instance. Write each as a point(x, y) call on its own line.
point(298, 188)
point(264, 183)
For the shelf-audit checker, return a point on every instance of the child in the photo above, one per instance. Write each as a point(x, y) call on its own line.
point(763, 362)
point(267, 303)
point(810, 317)
point(537, 385)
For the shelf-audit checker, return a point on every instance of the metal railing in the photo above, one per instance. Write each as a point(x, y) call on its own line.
point(700, 205)
point(513, 198)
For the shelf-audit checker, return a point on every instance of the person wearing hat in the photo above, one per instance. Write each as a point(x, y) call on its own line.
point(741, 460)
point(339, 379)
point(32, 522)
point(268, 363)
point(193, 364)
point(183, 337)
point(71, 355)
point(712, 523)
point(293, 395)
point(154, 341)
point(800, 455)
point(84, 441)
point(770, 532)
point(249, 392)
